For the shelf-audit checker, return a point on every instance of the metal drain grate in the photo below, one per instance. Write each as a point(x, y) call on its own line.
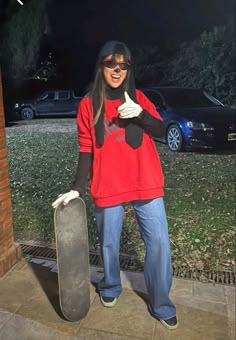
point(38, 251)
point(128, 262)
point(224, 277)
point(49, 253)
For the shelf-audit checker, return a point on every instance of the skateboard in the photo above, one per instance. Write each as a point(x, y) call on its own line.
point(72, 249)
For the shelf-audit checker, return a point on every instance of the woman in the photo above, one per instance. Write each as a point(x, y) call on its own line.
point(116, 124)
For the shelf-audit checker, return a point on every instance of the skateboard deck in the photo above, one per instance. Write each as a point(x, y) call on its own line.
point(72, 259)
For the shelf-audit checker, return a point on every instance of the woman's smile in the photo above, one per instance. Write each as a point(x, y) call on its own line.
point(114, 77)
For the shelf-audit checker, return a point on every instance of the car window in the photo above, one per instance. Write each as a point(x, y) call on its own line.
point(47, 96)
point(213, 99)
point(76, 94)
point(63, 95)
point(185, 98)
point(154, 97)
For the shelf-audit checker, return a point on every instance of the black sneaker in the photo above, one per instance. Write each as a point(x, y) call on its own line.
point(171, 323)
point(108, 301)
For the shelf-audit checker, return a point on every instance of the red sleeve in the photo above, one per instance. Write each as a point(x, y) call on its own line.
point(84, 123)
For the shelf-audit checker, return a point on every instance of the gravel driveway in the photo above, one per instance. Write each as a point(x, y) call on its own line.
point(62, 125)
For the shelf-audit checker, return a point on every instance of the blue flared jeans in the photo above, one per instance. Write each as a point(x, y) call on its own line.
point(151, 217)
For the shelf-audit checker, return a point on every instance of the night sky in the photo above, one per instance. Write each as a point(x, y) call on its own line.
point(93, 22)
point(79, 27)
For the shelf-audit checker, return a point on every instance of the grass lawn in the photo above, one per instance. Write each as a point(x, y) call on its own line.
point(199, 194)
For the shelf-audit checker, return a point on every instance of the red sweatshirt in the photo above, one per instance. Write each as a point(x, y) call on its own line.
point(119, 173)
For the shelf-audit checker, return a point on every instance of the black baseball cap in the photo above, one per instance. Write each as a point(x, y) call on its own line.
point(113, 47)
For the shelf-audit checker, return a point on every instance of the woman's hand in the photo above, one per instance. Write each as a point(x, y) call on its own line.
point(65, 198)
point(129, 109)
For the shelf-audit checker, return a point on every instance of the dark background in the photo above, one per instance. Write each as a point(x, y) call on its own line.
point(79, 28)
point(76, 29)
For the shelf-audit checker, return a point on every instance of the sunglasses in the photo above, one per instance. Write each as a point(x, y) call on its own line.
point(113, 63)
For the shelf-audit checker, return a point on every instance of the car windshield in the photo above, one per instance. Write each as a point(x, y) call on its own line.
point(185, 98)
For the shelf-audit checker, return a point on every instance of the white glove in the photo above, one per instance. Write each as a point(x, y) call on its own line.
point(129, 109)
point(65, 198)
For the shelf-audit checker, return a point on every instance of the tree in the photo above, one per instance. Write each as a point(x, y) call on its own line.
point(21, 34)
point(46, 69)
point(207, 63)
point(147, 64)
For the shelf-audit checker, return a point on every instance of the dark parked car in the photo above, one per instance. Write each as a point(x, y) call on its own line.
point(49, 103)
point(193, 118)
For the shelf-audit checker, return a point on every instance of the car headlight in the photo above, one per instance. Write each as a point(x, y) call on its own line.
point(16, 106)
point(199, 126)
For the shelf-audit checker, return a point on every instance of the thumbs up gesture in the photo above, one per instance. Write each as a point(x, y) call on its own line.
point(129, 109)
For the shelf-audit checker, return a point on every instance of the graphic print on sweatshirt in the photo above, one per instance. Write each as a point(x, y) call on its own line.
point(113, 126)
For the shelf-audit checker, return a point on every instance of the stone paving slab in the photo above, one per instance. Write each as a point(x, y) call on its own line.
point(128, 318)
point(15, 288)
point(30, 292)
point(209, 292)
point(201, 305)
point(182, 288)
point(9, 306)
point(231, 329)
point(4, 317)
point(90, 334)
point(40, 309)
point(43, 303)
point(230, 293)
point(195, 324)
point(20, 265)
point(21, 328)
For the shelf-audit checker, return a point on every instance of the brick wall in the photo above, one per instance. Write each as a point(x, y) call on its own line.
point(9, 250)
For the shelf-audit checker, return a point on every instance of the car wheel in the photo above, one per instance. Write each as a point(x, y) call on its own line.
point(174, 138)
point(27, 113)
